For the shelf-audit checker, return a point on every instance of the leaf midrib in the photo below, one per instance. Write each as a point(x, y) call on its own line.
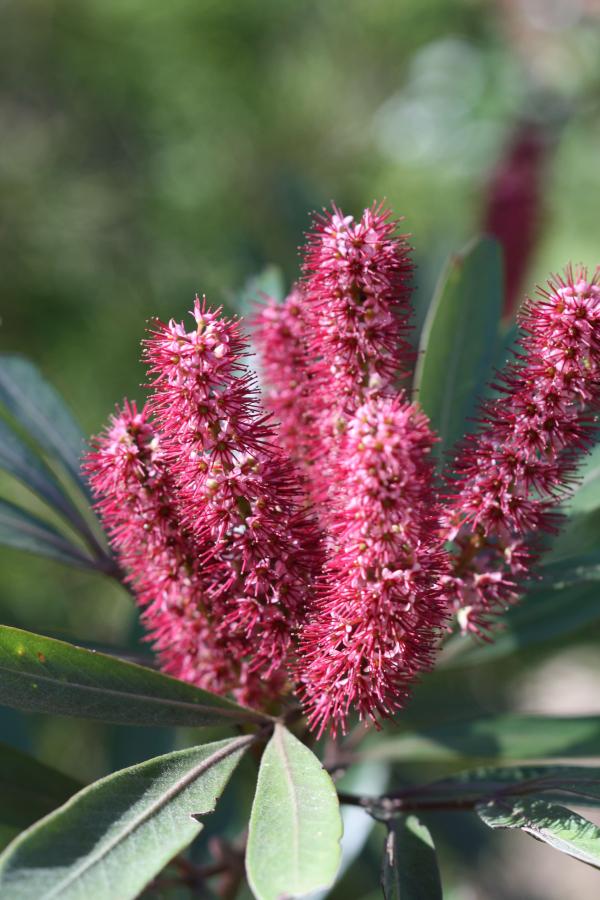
point(159, 701)
point(279, 737)
point(94, 859)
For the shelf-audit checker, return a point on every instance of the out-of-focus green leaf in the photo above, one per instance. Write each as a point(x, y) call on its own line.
point(582, 782)
point(544, 614)
point(113, 837)
point(44, 675)
point(587, 494)
point(505, 736)
point(267, 283)
point(459, 339)
point(554, 825)
point(21, 462)
point(410, 870)
point(24, 531)
point(42, 412)
point(28, 790)
point(295, 826)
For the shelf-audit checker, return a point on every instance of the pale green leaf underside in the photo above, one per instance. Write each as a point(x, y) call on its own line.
point(295, 826)
point(555, 825)
point(113, 837)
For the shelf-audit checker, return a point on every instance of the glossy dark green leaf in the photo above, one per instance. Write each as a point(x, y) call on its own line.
point(506, 736)
point(555, 825)
point(29, 789)
point(40, 674)
point(23, 531)
point(459, 340)
point(295, 826)
point(410, 870)
point(42, 412)
point(113, 837)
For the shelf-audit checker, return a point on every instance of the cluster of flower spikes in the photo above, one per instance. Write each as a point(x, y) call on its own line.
point(251, 548)
point(510, 477)
point(379, 608)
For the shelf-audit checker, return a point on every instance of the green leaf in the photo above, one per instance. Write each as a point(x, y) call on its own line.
point(295, 826)
point(23, 531)
point(485, 783)
point(113, 837)
point(554, 825)
point(40, 674)
point(410, 870)
point(29, 789)
point(459, 339)
point(496, 737)
point(269, 282)
point(42, 412)
point(21, 462)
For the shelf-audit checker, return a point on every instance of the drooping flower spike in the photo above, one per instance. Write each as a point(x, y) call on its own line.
point(511, 476)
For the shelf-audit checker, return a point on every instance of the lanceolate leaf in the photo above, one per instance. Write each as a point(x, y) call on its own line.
point(44, 675)
point(41, 411)
point(113, 837)
point(295, 826)
point(29, 789)
point(410, 870)
point(24, 531)
point(554, 825)
point(19, 460)
point(459, 339)
point(499, 737)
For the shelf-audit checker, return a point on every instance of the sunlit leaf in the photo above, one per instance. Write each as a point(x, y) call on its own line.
point(44, 675)
point(114, 836)
point(295, 827)
point(555, 825)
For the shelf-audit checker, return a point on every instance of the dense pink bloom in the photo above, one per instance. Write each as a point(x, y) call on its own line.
point(356, 293)
point(237, 493)
point(510, 477)
point(280, 334)
point(379, 609)
point(135, 493)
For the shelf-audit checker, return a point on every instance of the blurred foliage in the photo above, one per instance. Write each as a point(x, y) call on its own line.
point(152, 150)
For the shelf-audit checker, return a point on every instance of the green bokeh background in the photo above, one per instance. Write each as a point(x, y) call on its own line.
point(151, 150)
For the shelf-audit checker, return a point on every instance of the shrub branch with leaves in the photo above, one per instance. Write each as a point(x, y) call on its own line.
point(300, 558)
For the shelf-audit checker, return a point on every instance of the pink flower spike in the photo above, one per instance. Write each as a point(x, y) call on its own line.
point(237, 493)
point(379, 609)
point(509, 478)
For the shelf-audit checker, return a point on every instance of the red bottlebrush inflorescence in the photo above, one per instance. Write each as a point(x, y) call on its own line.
point(356, 292)
point(254, 574)
point(511, 476)
point(279, 332)
point(129, 475)
point(237, 492)
point(379, 608)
